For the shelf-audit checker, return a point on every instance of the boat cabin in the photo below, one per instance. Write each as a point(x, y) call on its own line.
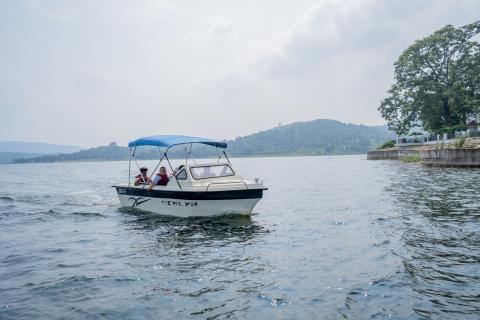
point(207, 177)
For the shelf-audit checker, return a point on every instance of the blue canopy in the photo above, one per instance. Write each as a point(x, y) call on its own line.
point(169, 141)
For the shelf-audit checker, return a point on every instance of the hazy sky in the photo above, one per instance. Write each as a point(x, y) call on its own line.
point(92, 72)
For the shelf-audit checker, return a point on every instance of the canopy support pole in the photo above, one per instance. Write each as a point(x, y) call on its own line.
point(226, 157)
point(190, 154)
point(129, 165)
point(171, 168)
point(153, 172)
point(219, 157)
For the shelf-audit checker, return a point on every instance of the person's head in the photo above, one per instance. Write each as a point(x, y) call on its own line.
point(163, 170)
point(143, 171)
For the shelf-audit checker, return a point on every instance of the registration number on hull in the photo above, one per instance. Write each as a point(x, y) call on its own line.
point(180, 203)
point(139, 200)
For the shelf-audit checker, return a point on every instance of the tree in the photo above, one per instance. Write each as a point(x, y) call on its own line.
point(437, 82)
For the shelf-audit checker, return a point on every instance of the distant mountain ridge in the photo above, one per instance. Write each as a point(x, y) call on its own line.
point(317, 137)
point(36, 147)
point(11, 150)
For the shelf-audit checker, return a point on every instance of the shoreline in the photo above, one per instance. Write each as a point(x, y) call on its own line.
point(464, 153)
point(231, 157)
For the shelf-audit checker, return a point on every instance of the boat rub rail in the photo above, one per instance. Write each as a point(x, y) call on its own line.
point(192, 195)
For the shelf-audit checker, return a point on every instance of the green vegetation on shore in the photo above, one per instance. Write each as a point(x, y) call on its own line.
point(410, 159)
point(437, 82)
point(386, 145)
point(317, 137)
point(460, 142)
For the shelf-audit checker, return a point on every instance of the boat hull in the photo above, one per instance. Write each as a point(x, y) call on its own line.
point(190, 203)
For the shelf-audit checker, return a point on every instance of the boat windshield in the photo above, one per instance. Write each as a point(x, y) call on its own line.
point(215, 171)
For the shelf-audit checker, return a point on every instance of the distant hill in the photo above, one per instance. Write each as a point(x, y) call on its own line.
point(102, 153)
point(8, 157)
point(317, 137)
point(36, 147)
point(11, 150)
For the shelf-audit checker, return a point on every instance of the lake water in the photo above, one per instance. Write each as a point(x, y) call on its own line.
point(334, 237)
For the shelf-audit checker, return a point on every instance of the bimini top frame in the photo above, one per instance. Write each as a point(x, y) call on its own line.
point(168, 141)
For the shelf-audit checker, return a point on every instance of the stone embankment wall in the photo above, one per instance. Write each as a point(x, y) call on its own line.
point(392, 154)
point(451, 157)
point(434, 157)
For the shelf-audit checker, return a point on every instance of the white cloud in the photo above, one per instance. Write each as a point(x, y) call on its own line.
point(222, 30)
point(328, 30)
point(336, 59)
point(199, 67)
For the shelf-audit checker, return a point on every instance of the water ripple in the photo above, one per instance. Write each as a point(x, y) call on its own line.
point(347, 238)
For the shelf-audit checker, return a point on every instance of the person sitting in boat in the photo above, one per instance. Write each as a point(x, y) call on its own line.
point(142, 178)
point(161, 179)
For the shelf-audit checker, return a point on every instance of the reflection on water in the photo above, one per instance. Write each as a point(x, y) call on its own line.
point(198, 230)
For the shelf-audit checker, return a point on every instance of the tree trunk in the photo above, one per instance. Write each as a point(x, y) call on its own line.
point(447, 117)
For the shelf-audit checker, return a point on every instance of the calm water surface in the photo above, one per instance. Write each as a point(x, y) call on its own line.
point(335, 237)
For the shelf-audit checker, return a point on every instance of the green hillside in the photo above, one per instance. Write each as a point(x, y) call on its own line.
point(311, 138)
point(318, 137)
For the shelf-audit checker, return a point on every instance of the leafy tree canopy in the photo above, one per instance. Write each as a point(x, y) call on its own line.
point(437, 82)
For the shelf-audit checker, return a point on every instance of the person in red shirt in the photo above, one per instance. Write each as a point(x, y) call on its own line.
point(161, 179)
point(143, 177)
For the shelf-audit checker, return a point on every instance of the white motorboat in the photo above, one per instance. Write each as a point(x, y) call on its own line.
point(207, 189)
